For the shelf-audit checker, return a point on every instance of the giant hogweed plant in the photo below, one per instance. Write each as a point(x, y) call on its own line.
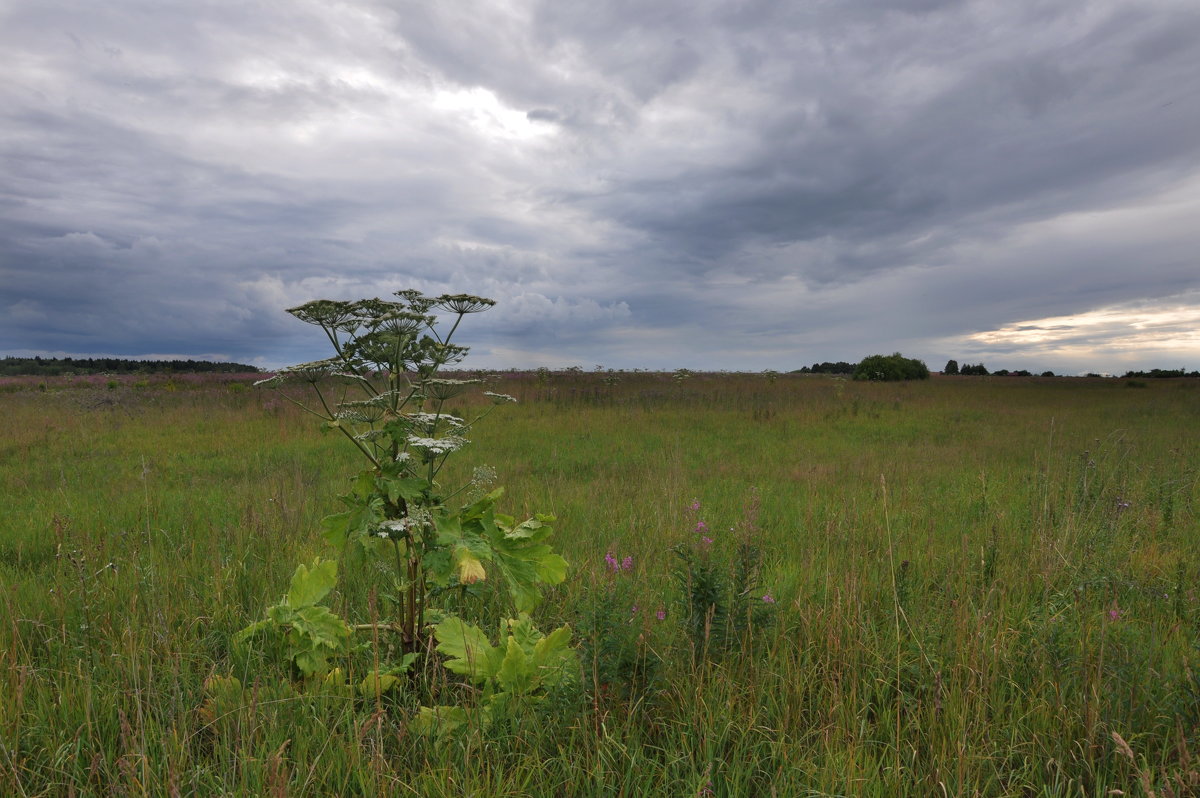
point(383, 391)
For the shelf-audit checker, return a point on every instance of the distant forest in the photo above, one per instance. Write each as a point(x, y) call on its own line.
point(1163, 373)
point(70, 366)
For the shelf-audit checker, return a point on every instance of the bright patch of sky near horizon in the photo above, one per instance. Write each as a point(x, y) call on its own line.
point(679, 184)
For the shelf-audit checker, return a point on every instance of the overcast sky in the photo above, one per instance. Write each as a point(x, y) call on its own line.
point(676, 183)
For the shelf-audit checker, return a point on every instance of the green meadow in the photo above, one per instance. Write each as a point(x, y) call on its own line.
point(954, 587)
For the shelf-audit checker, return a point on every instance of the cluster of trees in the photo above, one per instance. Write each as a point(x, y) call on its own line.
point(979, 370)
point(68, 366)
point(888, 368)
point(840, 367)
point(1162, 373)
point(967, 370)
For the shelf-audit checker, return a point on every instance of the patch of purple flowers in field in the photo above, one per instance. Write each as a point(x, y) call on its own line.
point(615, 565)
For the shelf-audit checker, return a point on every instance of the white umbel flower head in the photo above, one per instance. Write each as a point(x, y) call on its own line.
point(499, 398)
point(428, 421)
point(438, 446)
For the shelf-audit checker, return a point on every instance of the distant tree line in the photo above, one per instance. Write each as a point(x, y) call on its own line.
point(840, 367)
point(70, 366)
point(979, 370)
point(1162, 373)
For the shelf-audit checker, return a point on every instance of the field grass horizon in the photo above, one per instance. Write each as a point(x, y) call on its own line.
point(973, 585)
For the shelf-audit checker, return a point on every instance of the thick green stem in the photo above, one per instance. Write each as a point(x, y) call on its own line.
point(405, 610)
point(329, 414)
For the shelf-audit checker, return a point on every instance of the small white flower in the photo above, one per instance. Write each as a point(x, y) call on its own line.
point(383, 534)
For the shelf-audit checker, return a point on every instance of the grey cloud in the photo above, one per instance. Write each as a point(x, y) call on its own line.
point(750, 180)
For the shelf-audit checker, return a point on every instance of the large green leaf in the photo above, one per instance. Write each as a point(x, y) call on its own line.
point(524, 565)
point(439, 720)
point(311, 661)
point(515, 674)
point(554, 659)
point(533, 530)
point(310, 585)
point(364, 514)
point(524, 632)
point(410, 489)
point(322, 627)
point(471, 653)
point(551, 568)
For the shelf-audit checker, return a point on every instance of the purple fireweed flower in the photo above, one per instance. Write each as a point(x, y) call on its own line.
point(768, 598)
point(707, 541)
point(633, 610)
point(627, 563)
point(695, 505)
point(612, 563)
point(661, 615)
point(701, 527)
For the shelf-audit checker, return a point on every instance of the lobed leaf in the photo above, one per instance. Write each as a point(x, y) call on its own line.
point(471, 653)
point(310, 585)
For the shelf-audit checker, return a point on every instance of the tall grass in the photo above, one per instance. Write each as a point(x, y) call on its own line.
point(980, 585)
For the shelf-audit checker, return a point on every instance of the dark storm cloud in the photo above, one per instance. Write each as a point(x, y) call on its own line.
point(875, 140)
point(738, 185)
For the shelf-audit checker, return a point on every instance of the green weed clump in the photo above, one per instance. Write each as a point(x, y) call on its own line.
point(1011, 610)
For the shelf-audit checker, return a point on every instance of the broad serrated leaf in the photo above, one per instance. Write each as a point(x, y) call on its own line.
point(554, 659)
point(553, 646)
point(336, 528)
point(281, 615)
point(551, 568)
point(522, 560)
point(364, 514)
point(515, 674)
point(438, 720)
point(483, 505)
point(310, 585)
point(363, 485)
point(449, 528)
point(322, 627)
point(525, 594)
point(377, 683)
point(524, 632)
point(408, 488)
point(439, 566)
point(470, 567)
point(531, 528)
point(311, 661)
point(470, 652)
